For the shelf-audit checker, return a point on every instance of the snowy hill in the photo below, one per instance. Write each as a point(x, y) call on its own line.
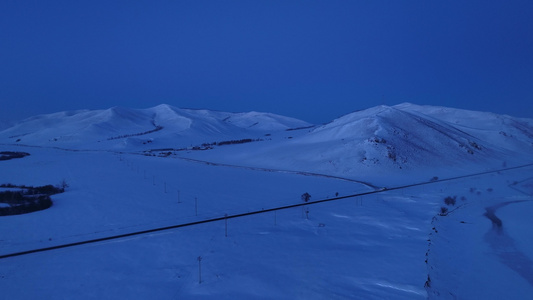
point(379, 140)
point(408, 135)
point(407, 202)
point(118, 127)
point(397, 139)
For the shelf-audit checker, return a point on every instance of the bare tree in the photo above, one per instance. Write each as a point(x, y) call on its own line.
point(306, 197)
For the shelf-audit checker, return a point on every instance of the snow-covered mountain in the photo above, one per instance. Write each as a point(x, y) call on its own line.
point(379, 224)
point(409, 135)
point(118, 127)
point(386, 138)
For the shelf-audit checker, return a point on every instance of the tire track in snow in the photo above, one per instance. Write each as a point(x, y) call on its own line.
point(504, 245)
point(277, 171)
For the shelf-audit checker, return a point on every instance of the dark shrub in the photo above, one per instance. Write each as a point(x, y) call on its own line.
point(30, 200)
point(443, 211)
point(306, 197)
point(450, 200)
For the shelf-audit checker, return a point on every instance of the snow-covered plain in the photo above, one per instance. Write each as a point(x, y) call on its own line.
point(133, 170)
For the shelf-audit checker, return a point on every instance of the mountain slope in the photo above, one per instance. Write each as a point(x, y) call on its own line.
point(379, 140)
point(404, 137)
point(121, 127)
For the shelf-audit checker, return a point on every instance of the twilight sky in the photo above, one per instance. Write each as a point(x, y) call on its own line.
point(312, 60)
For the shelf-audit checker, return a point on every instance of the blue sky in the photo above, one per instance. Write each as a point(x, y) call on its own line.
point(313, 60)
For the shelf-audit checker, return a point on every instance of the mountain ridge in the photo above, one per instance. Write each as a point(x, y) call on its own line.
point(400, 137)
point(391, 140)
point(85, 127)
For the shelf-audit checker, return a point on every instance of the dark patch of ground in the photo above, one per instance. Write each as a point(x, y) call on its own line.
point(7, 155)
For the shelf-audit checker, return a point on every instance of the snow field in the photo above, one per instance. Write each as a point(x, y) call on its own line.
point(346, 249)
point(468, 255)
point(369, 247)
point(114, 193)
point(342, 251)
point(379, 246)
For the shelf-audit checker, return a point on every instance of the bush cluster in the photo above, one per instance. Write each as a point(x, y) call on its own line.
point(450, 200)
point(29, 199)
point(29, 205)
point(157, 128)
point(299, 128)
point(207, 146)
point(7, 155)
point(35, 190)
point(443, 211)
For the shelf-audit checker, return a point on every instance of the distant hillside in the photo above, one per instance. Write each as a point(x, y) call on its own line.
point(379, 139)
point(122, 127)
point(398, 138)
point(408, 134)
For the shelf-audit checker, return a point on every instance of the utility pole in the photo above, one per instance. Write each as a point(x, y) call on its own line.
point(226, 221)
point(199, 269)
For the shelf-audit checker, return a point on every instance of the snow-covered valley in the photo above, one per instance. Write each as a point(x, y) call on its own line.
point(134, 170)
